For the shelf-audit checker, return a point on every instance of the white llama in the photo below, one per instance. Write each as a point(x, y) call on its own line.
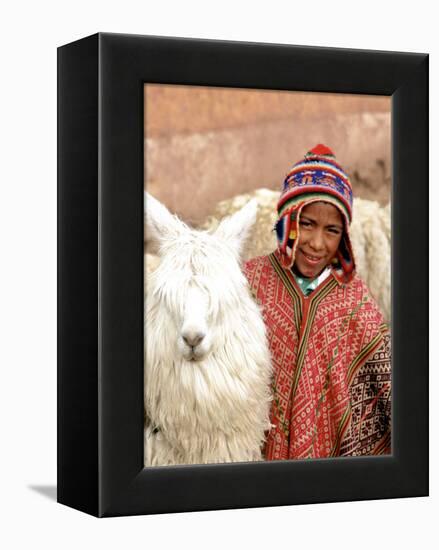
point(207, 365)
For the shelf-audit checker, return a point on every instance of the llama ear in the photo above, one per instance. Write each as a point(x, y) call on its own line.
point(237, 228)
point(160, 224)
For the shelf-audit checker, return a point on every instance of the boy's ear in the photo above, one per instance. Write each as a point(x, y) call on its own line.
point(236, 229)
point(160, 224)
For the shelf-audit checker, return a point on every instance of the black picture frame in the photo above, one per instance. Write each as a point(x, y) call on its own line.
point(100, 274)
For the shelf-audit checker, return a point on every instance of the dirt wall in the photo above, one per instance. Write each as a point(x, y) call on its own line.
point(203, 145)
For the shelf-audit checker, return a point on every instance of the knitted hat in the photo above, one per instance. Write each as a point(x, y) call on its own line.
point(318, 177)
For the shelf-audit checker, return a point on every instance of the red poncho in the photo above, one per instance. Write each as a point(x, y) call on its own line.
point(331, 361)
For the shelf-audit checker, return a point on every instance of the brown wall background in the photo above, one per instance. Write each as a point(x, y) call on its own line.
point(205, 144)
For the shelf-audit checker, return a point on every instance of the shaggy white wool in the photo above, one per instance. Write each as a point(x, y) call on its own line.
point(371, 240)
point(151, 262)
point(208, 401)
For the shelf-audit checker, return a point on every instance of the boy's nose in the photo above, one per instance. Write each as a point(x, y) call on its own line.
point(316, 240)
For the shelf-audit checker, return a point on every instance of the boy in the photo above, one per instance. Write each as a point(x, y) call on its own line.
point(329, 344)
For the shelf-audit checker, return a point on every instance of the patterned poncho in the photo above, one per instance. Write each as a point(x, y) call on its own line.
point(331, 362)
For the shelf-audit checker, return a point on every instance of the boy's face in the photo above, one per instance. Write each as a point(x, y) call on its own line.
point(321, 230)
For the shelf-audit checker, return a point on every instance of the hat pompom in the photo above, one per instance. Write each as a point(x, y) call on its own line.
point(321, 150)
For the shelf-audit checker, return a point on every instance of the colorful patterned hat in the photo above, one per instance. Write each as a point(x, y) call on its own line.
point(318, 177)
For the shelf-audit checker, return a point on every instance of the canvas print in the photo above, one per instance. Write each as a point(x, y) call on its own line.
point(267, 243)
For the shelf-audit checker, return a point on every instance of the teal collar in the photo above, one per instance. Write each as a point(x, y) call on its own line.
point(308, 285)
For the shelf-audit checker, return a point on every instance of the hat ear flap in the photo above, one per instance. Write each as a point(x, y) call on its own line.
point(287, 233)
point(344, 261)
point(282, 229)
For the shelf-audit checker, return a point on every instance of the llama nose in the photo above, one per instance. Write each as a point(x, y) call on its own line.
point(193, 338)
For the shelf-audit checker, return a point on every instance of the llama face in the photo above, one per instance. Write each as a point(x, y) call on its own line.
point(198, 279)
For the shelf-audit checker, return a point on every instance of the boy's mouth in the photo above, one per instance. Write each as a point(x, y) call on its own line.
point(312, 259)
